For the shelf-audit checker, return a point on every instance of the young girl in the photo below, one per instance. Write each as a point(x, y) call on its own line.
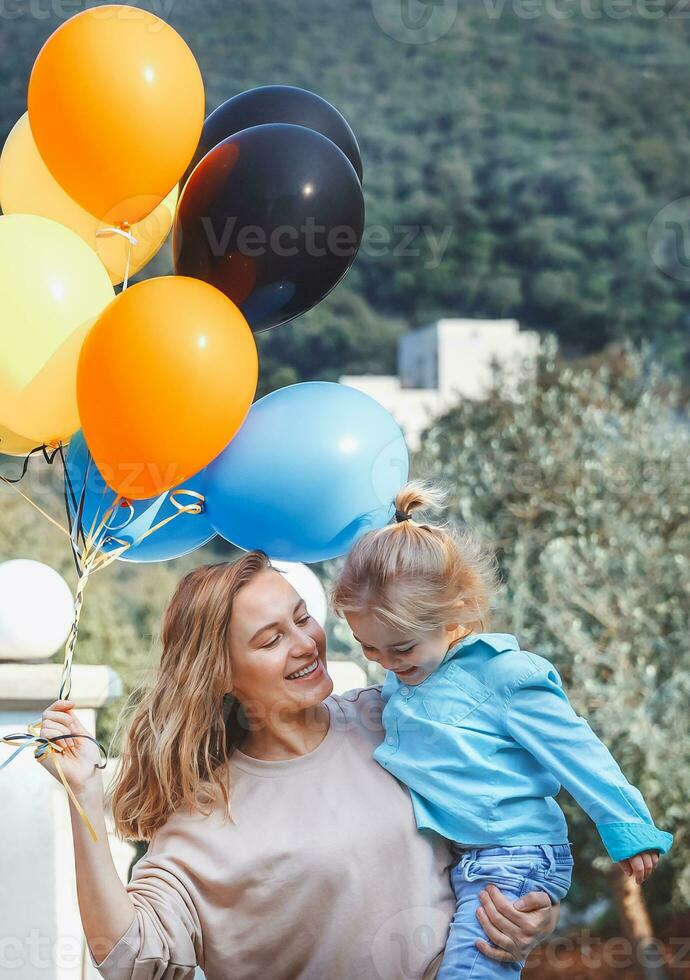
point(471, 717)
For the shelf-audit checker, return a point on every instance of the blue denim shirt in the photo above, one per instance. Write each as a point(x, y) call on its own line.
point(485, 742)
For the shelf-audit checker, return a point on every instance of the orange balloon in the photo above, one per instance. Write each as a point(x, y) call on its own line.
point(116, 106)
point(166, 377)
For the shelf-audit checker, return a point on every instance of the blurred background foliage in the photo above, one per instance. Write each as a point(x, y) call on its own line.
point(582, 487)
point(536, 151)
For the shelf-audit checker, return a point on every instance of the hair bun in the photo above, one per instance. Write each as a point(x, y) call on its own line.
point(417, 495)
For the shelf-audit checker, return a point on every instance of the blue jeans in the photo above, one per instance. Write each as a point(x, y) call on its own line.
point(516, 871)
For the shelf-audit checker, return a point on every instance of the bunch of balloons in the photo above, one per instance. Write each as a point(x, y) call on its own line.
point(151, 389)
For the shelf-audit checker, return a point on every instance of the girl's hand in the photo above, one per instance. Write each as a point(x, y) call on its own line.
point(640, 866)
point(79, 757)
point(514, 928)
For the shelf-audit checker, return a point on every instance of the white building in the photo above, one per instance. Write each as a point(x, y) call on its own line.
point(446, 361)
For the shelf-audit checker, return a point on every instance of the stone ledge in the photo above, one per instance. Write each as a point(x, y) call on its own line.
point(34, 686)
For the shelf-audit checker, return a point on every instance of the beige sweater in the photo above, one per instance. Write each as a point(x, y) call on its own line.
point(324, 875)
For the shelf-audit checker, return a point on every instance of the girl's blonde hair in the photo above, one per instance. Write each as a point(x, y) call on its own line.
point(182, 731)
point(418, 577)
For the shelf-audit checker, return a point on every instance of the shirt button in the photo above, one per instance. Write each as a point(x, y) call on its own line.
point(390, 740)
point(404, 691)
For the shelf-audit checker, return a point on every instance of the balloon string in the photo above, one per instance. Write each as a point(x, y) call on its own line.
point(47, 455)
point(124, 231)
point(91, 559)
point(106, 558)
point(47, 746)
point(69, 496)
point(87, 564)
point(66, 678)
point(12, 485)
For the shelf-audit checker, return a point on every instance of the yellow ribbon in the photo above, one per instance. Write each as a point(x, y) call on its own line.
point(89, 559)
point(47, 746)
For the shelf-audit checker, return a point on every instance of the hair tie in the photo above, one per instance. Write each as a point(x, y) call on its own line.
point(401, 516)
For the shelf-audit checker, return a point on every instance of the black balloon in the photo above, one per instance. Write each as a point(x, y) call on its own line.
point(277, 104)
point(272, 217)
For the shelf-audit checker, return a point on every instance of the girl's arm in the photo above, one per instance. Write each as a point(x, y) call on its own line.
point(145, 929)
point(540, 717)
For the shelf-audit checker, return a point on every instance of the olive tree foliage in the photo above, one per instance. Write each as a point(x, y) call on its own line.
point(582, 487)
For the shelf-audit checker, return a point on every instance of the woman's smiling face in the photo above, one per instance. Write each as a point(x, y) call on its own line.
point(277, 650)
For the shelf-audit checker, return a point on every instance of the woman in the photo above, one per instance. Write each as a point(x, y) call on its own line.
point(292, 856)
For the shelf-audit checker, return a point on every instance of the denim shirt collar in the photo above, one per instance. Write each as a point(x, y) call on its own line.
point(500, 643)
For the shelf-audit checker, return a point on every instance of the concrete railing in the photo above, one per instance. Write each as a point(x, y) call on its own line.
point(41, 936)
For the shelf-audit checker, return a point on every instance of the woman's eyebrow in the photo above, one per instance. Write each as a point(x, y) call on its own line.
point(262, 629)
point(272, 626)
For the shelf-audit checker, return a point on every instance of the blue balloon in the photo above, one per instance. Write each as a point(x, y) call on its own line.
point(128, 523)
point(313, 467)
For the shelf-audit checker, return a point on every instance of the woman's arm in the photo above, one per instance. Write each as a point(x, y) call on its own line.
point(106, 908)
point(145, 929)
point(515, 928)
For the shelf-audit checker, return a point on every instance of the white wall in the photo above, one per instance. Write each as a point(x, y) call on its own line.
point(446, 361)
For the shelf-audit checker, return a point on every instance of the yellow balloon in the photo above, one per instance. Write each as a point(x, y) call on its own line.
point(28, 187)
point(53, 288)
point(12, 444)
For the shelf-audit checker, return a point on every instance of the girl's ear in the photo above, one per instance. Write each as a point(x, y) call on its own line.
point(456, 614)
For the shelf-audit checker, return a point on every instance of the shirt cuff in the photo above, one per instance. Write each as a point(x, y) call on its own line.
point(120, 961)
point(623, 840)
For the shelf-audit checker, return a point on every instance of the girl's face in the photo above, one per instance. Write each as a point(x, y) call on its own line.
point(277, 651)
point(411, 656)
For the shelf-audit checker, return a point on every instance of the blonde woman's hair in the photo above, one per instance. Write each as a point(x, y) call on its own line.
point(181, 734)
point(418, 577)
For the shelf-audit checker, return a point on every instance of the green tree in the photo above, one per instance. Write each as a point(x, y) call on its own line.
point(532, 146)
point(582, 486)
